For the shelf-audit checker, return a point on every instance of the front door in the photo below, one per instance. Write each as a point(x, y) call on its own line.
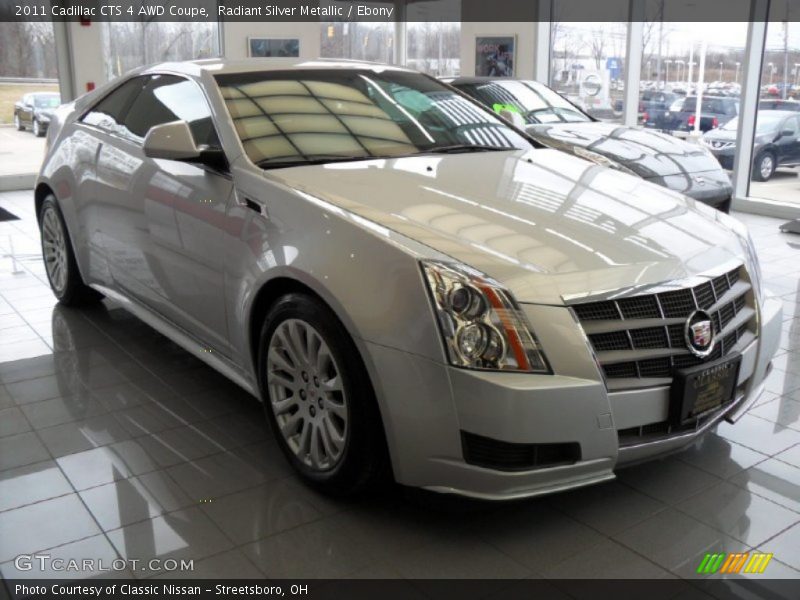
point(165, 242)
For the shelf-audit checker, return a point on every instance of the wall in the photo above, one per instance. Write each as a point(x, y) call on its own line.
point(235, 37)
point(86, 44)
point(524, 55)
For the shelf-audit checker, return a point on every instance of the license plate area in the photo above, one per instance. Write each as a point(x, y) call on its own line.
point(703, 389)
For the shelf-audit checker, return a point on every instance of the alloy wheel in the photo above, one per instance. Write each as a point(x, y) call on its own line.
point(17, 123)
point(54, 244)
point(765, 167)
point(36, 128)
point(307, 395)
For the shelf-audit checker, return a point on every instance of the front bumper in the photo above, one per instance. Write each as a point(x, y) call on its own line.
point(427, 405)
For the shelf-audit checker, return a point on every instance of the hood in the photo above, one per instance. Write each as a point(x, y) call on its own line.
point(546, 224)
point(645, 152)
point(721, 135)
point(45, 112)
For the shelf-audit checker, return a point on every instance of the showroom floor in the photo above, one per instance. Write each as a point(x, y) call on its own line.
point(116, 443)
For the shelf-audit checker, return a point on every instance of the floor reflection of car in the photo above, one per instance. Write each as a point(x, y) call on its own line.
point(681, 116)
point(34, 111)
point(556, 122)
point(413, 287)
point(776, 144)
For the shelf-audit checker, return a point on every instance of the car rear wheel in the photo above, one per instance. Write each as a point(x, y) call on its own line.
point(37, 128)
point(318, 397)
point(18, 124)
point(764, 166)
point(59, 260)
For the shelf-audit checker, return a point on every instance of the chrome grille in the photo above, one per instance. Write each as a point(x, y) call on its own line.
point(640, 340)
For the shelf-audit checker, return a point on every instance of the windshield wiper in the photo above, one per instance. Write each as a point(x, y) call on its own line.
point(457, 148)
point(269, 163)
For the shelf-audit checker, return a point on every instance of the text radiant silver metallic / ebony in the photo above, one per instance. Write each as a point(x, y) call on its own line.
point(411, 285)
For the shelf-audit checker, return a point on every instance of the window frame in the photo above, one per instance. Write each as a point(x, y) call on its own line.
point(149, 76)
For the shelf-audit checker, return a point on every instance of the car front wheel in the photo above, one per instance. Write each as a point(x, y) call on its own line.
point(764, 166)
point(318, 397)
point(18, 124)
point(59, 260)
point(37, 128)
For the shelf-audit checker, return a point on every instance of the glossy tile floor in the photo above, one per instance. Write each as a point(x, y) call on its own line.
point(117, 444)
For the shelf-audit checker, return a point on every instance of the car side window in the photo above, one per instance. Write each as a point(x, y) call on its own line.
point(791, 125)
point(107, 114)
point(168, 98)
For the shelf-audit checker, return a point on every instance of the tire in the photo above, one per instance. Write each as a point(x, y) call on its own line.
point(764, 166)
point(37, 128)
point(18, 123)
point(304, 412)
point(60, 264)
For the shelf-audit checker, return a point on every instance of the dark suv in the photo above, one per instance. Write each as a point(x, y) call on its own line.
point(653, 104)
point(714, 111)
point(777, 142)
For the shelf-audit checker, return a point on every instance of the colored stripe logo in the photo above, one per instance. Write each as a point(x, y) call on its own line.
point(733, 563)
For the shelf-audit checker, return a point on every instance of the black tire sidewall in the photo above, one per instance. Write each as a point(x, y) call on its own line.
point(363, 445)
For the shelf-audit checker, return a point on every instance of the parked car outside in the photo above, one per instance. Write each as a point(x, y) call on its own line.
point(34, 111)
point(779, 105)
point(680, 118)
point(555, 122)
point(411, 285)
point(654, 103)
point(776, 143)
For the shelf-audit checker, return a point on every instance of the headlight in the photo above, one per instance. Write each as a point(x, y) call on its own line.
point(481, 323)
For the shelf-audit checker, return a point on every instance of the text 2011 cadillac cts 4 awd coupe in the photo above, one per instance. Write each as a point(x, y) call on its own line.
point(411, 285)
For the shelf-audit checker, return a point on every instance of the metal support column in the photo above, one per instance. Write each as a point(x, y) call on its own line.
point(633, 62)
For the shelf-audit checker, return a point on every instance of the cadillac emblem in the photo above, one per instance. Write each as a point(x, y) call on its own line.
point(699, 333)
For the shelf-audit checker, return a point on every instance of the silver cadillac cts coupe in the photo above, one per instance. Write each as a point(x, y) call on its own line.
point(412, 286)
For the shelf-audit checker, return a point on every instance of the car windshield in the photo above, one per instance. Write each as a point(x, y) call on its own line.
point(536, 102)
point(286, 118)
point(46, 101)
point(765, 122)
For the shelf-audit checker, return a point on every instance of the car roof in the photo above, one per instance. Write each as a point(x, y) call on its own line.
point(223, 66)
point(779, 113)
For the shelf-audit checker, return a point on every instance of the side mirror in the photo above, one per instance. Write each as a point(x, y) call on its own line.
point(512, 117)
point(172, 141)
point(786, 133)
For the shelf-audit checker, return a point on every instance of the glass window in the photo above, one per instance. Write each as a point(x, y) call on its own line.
point(167, 98)
point(588, 66)
point(671, 58)
point(286, 118)
point(774, 173)
point(46, 100)
point(127, 45)
point(434, 48)
point(28, 61)
point(107, 114)
point(357, 40)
